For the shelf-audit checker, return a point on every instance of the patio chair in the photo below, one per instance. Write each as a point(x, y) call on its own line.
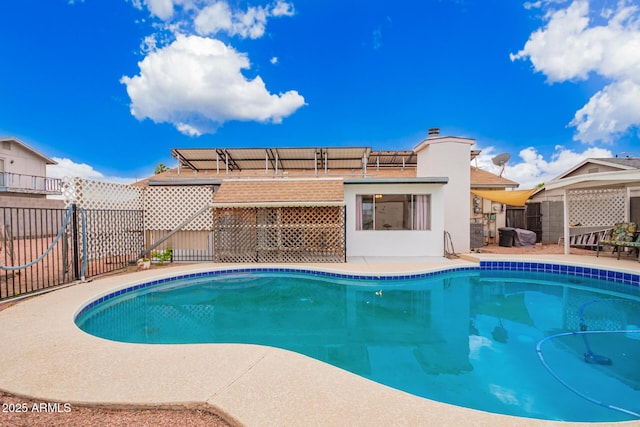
point(622, 236)
point(635, 244)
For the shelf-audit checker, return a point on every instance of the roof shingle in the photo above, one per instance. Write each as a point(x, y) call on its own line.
point(311, 191)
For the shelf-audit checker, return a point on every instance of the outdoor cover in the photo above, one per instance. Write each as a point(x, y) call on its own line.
point(524, 238)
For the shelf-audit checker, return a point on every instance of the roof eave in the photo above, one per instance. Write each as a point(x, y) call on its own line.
point(515, 185)
point(47, 160)
point(407, 180)
point(276, 204)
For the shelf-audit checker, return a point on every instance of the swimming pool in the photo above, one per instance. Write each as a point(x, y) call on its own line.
point(473, 337)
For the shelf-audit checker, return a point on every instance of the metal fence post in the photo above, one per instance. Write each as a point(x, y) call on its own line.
point(74, 234)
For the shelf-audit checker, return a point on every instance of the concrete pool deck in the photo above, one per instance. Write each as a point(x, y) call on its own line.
point(44, 356)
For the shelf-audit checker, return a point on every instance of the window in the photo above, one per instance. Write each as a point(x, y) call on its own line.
point(393, 212)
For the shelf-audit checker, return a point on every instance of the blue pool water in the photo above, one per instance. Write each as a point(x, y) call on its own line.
point(530, 344)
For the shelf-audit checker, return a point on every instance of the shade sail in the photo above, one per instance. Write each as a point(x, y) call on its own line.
point(508, 197)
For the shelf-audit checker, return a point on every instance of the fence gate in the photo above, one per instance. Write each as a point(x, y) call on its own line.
point(36, 249)
point(534, 219)
point(516, 217)
point(43, 247)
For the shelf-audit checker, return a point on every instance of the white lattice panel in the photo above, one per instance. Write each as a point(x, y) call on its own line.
point(597, 207)
point(166, 207)
point(89, 194)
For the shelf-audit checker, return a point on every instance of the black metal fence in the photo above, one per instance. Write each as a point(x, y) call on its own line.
point(42, 247)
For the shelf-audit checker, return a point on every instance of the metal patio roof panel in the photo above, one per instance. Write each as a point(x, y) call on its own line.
point(346, 158)
point(285, 158)
point(307, 153)
point(393, 158)
point(203, 164)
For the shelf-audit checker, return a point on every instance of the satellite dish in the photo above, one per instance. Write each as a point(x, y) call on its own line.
point(501, 160)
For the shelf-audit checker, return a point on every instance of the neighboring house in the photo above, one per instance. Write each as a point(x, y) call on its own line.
point(23, 174)
point(379, 203)
point(599, 191)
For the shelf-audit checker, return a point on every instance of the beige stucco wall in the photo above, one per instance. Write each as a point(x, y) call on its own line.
point(10, 200)
point(19, 160)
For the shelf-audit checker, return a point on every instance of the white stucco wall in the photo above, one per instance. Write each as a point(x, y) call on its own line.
point(395, 242)
point(449, 157)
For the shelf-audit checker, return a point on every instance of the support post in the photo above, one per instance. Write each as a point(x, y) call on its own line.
point(76, 255)
point(567, 244)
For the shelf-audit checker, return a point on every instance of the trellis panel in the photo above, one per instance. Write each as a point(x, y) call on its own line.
point(279, 234)
point(235, 235)
point(597, 207)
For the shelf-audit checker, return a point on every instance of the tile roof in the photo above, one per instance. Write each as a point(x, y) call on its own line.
point(480, 177)
point(248, 191)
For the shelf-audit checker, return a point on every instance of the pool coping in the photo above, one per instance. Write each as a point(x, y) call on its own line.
point(245, 384)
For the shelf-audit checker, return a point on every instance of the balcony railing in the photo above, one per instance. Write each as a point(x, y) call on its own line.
point(18, 183)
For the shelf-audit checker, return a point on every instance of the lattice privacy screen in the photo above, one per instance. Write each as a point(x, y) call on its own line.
point(89, 194)
point(166, 207)
point(287, 234)
point(601, 207)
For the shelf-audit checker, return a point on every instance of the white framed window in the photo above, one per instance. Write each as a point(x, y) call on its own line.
point(393, 212)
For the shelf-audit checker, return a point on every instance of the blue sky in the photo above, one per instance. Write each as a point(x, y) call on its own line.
point(107, 88)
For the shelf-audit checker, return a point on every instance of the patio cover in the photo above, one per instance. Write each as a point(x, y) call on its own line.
point(508, 197)
point(279, 193)
point(590, 180)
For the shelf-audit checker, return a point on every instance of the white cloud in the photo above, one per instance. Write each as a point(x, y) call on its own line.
point(609, 112)
point(572, 45)
point(531, 168)
point(67, 168)
point(214, 18)
point(196, 84)
point(282, 8)
point(193, 81)
point(219, 17)
point(274, 60)
point(162, 9)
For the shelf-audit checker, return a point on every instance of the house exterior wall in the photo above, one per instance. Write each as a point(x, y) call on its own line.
point(396, 242)
point(449, 156)
point(492, 215)
point(545, 195)
point(591, 168)
point(19, 160)
point(21, 201)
